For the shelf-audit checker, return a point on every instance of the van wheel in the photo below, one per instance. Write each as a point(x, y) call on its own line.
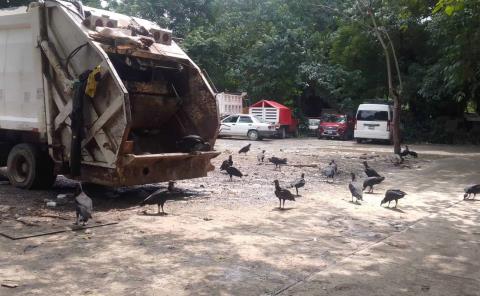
point(253, 135)
point(28, 168)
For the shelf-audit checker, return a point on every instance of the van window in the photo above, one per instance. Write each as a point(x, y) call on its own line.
point(367, 115)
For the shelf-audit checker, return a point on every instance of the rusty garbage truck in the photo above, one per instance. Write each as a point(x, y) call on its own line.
point(99, 97)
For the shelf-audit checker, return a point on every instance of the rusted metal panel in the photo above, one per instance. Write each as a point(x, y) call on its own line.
point(144, 169)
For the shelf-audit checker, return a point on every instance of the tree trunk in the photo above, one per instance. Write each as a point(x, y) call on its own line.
point(397, 141)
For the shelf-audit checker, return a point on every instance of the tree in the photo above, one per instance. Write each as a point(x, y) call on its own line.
point(14, 3)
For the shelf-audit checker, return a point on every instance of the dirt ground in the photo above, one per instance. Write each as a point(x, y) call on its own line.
point(230, 238)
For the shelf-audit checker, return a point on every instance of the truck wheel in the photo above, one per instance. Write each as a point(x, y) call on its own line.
point(253, 135)
point(28, 168)
point(283, 132)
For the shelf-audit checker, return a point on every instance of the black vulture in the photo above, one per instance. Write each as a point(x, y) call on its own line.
point(282, 194)
point(355, 189)
point(278, 161)
point(192, 144)
point(299, 183)
point(334, 166)
point(245, 149)
point(329, 172)
point(232, 171)
point(261, 156)
point(160, 196)
point(226, 163)
point(472, 189)
point(369, 171)
point(393, 194)
point(371, 181)
point(83, 206)
point(407, 152)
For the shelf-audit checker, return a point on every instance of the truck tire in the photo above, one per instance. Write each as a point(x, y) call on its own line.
point(253, 135)
point(28, 168)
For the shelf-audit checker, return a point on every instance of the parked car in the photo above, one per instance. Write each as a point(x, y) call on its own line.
point(373, 122)
point(313, 124)
point(338, 126)
point(247, 126)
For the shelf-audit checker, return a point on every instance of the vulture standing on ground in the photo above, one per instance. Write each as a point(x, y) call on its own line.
point(473, 189)
point(232, 171)
point(369, 171)
point(192, 144)
point(160, 196)
point(226, 163)
point(370, 181)
point(299, 183)
point(278, 162)
point(261, 156)
point(245, 149)
point(83, 206)
point(334, 166)
point(393, 195)
point(407, 152)
point(329, 172)
point(282, 194)
point(355, 189)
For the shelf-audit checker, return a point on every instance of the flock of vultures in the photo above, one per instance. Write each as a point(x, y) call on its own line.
point(194, 144)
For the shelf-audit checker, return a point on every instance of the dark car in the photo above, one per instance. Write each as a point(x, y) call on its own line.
point(338, 126)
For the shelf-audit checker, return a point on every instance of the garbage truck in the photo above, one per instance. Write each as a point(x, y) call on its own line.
point(99, 97)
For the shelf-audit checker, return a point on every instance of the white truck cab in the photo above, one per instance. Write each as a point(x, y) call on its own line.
point(373, 122)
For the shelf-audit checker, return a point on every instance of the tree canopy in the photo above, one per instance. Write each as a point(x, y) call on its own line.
point(322, 53)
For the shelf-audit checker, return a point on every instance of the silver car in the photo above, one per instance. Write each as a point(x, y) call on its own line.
point(246, 125)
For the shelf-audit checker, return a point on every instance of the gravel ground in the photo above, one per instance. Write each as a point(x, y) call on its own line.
point(228, 237)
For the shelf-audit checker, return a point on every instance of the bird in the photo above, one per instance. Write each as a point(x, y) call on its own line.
point(192, 144)
point(278, 162)
point(261, 156)
point(329, 172)
point(355, 189)
point(393, 194)
point(472, 189)
point(369, 171)
point(226, 163)
point(334, 166)
point(245, 149)
point(83, 206)
point(371, 181)
point(282, 194)
point(407, 152)
point(233, 171)
point(397, 159)
point(299, 183)
point(160, 196)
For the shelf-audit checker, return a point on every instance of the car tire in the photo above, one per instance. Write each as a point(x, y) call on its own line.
point(253, 135)
point(29, 168)
point(359, 141)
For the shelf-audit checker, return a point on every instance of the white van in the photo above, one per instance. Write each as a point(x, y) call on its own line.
point(373, 122)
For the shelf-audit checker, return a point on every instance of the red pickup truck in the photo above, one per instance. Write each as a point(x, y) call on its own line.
point(338, 126)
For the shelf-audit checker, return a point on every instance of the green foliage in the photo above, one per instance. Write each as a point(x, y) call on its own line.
point(13, 3)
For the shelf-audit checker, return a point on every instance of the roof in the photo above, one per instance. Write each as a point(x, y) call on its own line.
point(271, 104)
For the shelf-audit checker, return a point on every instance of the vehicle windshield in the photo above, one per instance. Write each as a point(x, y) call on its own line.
point(313, 121)
point(334, 118)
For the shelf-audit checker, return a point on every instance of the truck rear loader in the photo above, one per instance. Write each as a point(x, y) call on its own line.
point(99, 97)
